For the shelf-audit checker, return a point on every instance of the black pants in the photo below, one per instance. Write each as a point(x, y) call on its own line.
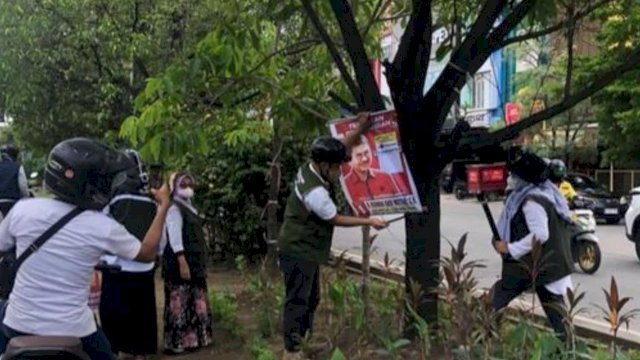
point(128, 312)
point(301, 280)
point(505, 291)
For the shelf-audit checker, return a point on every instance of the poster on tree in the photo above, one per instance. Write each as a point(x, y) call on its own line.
point(377, 180)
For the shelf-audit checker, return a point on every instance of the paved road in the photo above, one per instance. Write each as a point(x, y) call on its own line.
point(458, 217)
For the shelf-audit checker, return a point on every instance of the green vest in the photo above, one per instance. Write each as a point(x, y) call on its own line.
point(556, 260)
point(303, 234)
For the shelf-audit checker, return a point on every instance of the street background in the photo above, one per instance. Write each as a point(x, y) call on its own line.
point(459, 217)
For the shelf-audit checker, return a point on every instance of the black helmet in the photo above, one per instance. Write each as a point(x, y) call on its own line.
point(557, 170)
point(527, 166)
point(9, 151)
point(134, 180)
point(85, 172)
point(329, 150)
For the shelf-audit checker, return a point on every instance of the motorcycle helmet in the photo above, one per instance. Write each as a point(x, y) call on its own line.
point(9, 151)
point(557, 170)
point(135, 179)
point(527, 165)
point(329, 150)
point(85, 172)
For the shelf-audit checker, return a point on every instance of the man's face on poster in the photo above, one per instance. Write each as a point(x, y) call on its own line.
point(361, 158)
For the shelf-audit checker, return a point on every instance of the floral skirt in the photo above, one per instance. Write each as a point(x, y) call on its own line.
point(187, 316)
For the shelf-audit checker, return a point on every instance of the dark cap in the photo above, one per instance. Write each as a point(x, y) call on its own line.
point(330, 150)
point(527, 166)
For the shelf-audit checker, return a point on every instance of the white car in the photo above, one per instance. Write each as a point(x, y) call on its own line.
point(632, 219)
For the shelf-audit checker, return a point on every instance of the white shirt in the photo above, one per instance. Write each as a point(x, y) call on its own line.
point(174, 229)
point(318, 200)
point(51, 292)
point(538, 224)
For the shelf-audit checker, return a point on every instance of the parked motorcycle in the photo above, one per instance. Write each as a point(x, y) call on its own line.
point(45, 348)
point(584, 242)
point(50, 347)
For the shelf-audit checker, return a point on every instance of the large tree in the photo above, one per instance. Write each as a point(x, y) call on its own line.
point(73, 68)
point(260, 72)
point(618, 105)
point(486, 26)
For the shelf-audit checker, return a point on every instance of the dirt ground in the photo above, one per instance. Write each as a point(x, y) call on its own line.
point(224, 346)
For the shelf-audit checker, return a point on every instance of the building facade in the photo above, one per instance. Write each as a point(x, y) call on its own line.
point(482, 100)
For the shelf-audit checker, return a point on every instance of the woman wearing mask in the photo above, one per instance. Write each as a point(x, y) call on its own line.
point(187, 317)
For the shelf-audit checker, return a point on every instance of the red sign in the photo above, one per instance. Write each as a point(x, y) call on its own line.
point(512, 113)
point(486, 177)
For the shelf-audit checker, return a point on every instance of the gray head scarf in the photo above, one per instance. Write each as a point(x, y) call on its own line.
point(521, 191)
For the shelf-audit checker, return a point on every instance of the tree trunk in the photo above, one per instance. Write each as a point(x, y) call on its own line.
point(567, 137)
point(366, 252)
point(422, 274)
point(570, 36)
point(274, 190)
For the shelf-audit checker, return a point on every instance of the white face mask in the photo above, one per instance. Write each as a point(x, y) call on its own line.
point(514, 182)
point(186, 193)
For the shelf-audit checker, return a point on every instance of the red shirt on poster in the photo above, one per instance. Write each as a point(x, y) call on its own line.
point(375, 185)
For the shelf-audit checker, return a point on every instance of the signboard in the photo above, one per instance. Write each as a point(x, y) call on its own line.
point(377, 181)
point(512, 113)
point(478, 118)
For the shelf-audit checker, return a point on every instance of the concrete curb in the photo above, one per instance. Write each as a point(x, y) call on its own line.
point(585, 326)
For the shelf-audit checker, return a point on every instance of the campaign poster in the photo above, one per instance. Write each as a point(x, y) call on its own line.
point(377, 180)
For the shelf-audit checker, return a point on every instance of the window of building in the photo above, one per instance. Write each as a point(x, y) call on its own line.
point(478, 90)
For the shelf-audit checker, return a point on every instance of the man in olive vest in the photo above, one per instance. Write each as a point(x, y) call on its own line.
point(305, 237)
point(534, 212)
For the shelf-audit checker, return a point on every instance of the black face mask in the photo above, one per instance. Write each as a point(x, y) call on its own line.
point(529, 167)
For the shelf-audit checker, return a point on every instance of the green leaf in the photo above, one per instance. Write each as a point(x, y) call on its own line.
point(400, 343)
point(155, 146)
point(337, 355)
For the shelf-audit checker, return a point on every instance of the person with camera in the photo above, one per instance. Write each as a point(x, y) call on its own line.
point(128, 302)
point(51, 289)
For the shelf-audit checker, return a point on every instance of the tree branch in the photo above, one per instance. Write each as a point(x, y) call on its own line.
point(297, 102)
point(629, 62)
point(551, 29)
point(411, 63)
point(288, 50)
point(355, 47)
point(342, 102)
point(509, 23)
point(380, 8)
point(333, 50)
point(466, 59)
point(570, 37)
